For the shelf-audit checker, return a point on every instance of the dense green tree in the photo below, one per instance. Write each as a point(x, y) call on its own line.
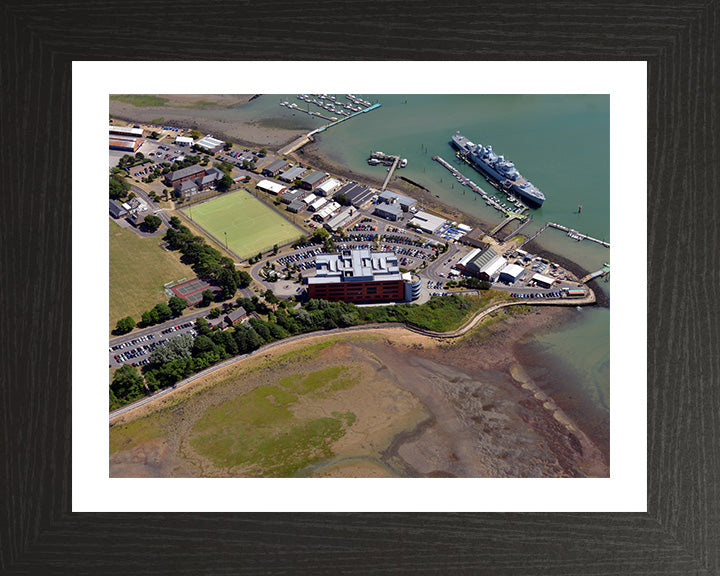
point(175, 222)
point(270, 296)
point(202, 326)
point(124, 325)
point(225, 183)
point(176, 347)
point(177, 305)
point(118, 186)
point(214, 313)
point(202, 344)
point(320, 235)
point(150, 317)
point(152, 222)
point(127, 385)
point(342, 199)
point(207, 297)
point(164, 311)
point(139, 155)
point(275, 248)
point(243, 279)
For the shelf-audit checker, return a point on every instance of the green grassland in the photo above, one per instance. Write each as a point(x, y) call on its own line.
point(139, 99)
point(259, 431)
point(138, 269)
point(251, 226)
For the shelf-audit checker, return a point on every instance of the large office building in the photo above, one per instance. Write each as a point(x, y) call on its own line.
point(360, 276)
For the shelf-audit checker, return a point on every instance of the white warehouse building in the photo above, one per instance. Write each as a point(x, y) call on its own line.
point(511, 273)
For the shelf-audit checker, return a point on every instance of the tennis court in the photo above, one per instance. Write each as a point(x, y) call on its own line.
point(251, 227)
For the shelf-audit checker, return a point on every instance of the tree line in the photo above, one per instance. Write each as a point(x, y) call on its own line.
point(207, 262)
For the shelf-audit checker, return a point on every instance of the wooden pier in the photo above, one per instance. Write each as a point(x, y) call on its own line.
point(575, 235)
point(390, 173)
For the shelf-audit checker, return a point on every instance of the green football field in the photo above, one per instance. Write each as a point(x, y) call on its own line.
point(251, 226)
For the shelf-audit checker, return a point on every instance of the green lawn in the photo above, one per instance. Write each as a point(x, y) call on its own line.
point(138, 269)
point(250, 225)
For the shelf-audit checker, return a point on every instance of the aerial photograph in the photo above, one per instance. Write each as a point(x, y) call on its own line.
point(359, 285)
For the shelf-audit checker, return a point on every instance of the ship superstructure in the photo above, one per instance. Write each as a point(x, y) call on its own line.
point(503, 171)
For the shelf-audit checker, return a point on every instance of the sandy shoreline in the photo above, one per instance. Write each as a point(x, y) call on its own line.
point(480, 406)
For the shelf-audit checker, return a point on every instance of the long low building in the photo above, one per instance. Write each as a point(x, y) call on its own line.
point(184, 141)
point(178, 176)
point(357, 276)
point(543, 281)
point(327, 187)
point(314, 179)
point(125, 144)
point(341, 219)
point(271, 187)
point(126, 131)
point(428, 222)
point(357, 195)
point(292, 174)
point(274, 167)
point(405, 202)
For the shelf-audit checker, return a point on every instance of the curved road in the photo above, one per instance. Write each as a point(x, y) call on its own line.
point(464, 329)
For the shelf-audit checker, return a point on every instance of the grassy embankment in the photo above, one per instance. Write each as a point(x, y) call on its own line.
point(440, 313)
point(140, 100)
point(138, 269)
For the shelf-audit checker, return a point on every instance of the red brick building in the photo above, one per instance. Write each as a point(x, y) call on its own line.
point(358, 276)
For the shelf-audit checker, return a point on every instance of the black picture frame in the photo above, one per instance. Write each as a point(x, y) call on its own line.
point(680, 533)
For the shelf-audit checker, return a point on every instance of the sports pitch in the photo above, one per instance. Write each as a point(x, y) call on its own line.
point(251, 226)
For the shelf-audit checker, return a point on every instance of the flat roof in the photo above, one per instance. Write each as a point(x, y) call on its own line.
point(356, 266)
point(428, 221)
point(184, 140)
point(513, 269)
point(389, 209)
point(270, 185)
point(388, 196)
point(128, 130)
point(543, 279)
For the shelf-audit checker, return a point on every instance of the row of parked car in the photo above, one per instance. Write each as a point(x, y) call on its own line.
point(132, 342)
point(176, 328)
point(300, 258)
point(536, 295)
